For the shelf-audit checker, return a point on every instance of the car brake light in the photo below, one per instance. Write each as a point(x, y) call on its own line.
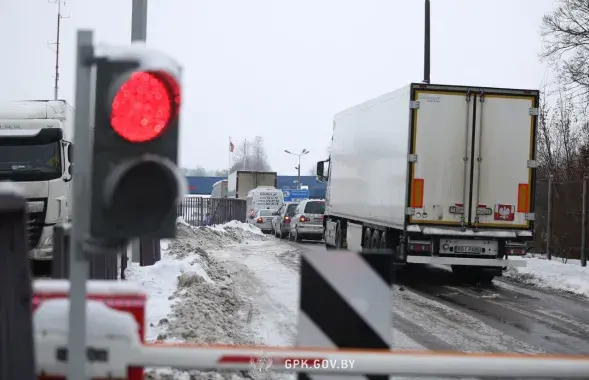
point(260, 220)
point(303, 219)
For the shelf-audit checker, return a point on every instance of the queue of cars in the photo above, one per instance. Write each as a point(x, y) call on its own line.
point(293, 220)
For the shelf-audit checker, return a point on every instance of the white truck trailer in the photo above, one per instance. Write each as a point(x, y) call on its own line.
point(439, 174)
point(36, 152)
point(219, 189)
point(240, 182)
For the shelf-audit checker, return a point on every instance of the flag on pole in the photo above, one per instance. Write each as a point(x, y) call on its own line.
point(231, 146)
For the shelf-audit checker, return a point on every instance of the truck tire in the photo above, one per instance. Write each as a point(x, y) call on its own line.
point(367, 238)
point(375, 241)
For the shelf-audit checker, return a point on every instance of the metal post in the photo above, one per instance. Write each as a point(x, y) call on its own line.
point(584, 224)
point(549, 218)
point(139, 20)
point(17, 349)
point(299, 173)
point(76, 368)
point(426, 44)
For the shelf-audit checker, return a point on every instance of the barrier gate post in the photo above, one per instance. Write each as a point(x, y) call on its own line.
point(345, 302)
point(17, 352)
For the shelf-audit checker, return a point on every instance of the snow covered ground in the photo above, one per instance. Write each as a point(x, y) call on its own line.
point(552, 274)
point(204, 290)
point(232, 284)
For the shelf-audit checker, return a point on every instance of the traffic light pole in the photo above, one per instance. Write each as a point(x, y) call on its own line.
point(79, 265)
point(138, 33)
point(139, 20)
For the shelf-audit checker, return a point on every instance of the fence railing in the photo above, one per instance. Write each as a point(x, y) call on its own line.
point(199, 211)
point(561, 219)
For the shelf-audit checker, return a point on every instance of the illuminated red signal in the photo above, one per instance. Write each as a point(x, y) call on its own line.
point(143, 106)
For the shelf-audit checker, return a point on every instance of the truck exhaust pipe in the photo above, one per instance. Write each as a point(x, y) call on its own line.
point(426, 44)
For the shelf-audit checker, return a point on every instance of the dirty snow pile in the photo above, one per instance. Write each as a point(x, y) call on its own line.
point(552, 274)
point(192, 298)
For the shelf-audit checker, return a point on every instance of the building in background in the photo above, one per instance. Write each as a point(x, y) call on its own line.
point(204, 185)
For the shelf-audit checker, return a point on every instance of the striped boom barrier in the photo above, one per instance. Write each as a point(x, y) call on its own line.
point(345, 302)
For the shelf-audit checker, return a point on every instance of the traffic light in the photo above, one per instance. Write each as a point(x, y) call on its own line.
point(135, 181)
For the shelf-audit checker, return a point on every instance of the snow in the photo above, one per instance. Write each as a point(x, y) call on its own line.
point(552, 274)
point(193, 297)
point(53, 316)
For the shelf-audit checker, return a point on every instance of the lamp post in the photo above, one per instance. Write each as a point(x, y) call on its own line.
point(303, 152)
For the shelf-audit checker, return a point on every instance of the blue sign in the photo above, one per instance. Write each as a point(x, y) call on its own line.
point(295, 195)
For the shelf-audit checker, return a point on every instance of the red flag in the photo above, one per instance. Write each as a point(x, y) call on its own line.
point(231, 146)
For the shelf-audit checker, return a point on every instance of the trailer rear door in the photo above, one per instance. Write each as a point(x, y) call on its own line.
point(441, 147)
point(504, 153)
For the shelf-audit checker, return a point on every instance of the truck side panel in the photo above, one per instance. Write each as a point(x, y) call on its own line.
point(266, 179)
point(505, 141)
point(245, 182)
point(441, 141)
point(368, 168)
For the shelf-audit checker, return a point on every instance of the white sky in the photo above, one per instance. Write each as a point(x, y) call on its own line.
point(281, 69)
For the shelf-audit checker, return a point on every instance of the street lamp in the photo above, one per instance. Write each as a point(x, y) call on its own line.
point(303, 152)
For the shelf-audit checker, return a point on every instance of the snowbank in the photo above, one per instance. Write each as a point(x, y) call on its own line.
point(552, 274)
point(192, 297)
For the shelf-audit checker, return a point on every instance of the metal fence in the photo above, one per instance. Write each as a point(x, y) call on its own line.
point(561, 219)
point(200, 211)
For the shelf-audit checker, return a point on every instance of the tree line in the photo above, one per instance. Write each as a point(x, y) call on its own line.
point(563, 128)
point(250, 155)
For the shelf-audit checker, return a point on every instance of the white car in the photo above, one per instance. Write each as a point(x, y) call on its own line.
point(282, 219)
point(307, 222)
point(263, 219)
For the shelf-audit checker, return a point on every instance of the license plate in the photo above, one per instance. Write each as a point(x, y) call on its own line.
point(318, 220)
point(462, 249)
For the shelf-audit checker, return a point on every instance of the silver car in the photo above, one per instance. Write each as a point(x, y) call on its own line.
point(263, 219)
point(307, 223)
point(282, 219)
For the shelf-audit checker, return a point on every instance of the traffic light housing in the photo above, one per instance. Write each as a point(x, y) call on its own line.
point(135, 181)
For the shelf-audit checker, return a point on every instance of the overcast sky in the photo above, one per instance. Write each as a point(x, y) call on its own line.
point(281, 69)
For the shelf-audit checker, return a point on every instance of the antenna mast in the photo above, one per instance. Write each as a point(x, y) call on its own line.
point(57, 46)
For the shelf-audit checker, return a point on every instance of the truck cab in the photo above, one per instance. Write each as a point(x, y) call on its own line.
point(36, 153)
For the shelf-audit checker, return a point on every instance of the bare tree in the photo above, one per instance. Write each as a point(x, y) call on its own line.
point(251, 156)
point(565, 33)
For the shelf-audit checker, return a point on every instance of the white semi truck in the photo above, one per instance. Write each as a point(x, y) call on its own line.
point(36, 152)
point(439, 174)
point(240, 182)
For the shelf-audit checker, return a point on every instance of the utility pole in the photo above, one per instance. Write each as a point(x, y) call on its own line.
point(303, 152)
point(60, 16)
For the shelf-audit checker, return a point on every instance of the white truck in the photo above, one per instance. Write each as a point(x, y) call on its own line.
point(439, 174)
point(240, 182)
point(219, 189)
point(36, 152)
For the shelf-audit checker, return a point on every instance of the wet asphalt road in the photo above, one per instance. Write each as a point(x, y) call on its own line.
point(431, 311)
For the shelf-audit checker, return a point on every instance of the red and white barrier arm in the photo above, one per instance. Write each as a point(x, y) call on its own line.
point(359, 362)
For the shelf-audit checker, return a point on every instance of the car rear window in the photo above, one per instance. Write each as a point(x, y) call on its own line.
point(291, 208)
point(267, 212)
point(315, 208)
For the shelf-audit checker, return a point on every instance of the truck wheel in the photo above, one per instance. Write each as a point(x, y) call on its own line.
point(383, 243)
point(375, 242)
point(367, 238)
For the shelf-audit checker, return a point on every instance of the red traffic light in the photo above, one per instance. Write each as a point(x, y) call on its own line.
point(144, 105)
